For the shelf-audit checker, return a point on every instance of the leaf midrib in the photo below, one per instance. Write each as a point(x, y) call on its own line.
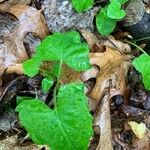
point(61, 127)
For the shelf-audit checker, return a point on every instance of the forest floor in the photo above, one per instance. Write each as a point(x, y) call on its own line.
point(118, 97)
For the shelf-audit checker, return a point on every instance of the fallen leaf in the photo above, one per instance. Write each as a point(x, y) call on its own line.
point(12, 50)
point(113, 68)
point(17, 68)
point(139, 129)
point(10, 143)
point(102, 125)
point(110, 41)
point(6, 5)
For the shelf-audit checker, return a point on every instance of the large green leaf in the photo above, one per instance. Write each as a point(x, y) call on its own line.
point(66, 127)
point(142, 64)
point(105, 25)
point(66, 48)
point(114, 10)
point(82, 5)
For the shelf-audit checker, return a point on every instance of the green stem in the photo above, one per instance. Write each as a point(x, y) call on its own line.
point(145, 38)
point(138, 47)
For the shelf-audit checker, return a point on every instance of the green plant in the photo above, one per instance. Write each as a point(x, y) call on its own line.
point(142, 64)
point(109, 15)
point(69, 124)
point(82, 5)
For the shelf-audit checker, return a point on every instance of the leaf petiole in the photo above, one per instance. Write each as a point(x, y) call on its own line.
point(138, 47)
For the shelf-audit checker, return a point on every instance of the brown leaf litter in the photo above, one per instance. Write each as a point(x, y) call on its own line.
point(12, 50)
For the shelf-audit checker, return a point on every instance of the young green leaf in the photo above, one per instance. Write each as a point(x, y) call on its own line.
point(104, 24)
point(114, 10)
point(65, 48)
point(31, 66)
point(82, 5)
point(46, 84)
point(142, 64)
point(68, 126)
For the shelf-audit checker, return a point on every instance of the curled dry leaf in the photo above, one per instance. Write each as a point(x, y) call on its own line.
point(12, 50)
point(111, 42)
point(102, 125)
point(113, 69)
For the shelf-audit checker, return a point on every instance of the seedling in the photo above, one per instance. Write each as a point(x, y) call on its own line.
point(142, 64)
point(68, 125)
point(109, 15)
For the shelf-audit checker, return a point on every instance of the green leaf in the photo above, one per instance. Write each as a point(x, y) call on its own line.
point(142, 64)
point(146, 80)
point(46, 84)
point(82, 5)
point(65, 48)
point(120, 1)
point(31, 66)
point(104, 24)
point(114, 10)
point(66, 127)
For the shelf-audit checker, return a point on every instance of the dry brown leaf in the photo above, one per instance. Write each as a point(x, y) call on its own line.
point(111, 42)
point(113, 68)
point(12, 50)
point(10, 143)
point(6, 5)
point(17, 68)
point(102, 125)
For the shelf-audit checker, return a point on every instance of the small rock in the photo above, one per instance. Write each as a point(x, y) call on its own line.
point(61, 16)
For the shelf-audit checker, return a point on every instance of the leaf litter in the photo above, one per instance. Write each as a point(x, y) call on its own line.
point(12, 48)
point(111, 62)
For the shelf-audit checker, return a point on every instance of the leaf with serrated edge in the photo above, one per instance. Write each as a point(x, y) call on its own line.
point(68, 126)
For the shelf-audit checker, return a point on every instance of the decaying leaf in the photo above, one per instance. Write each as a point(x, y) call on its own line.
point(102, 125)
point(113, 68)
point(10, 143)
point(12, 50)
point(139, 129)
point(6, 5)
point(110, 41)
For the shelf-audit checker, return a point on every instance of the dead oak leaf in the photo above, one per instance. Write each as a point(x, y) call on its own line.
point(94, 41)
point(12, 50)
point(113, 69)
point(30, 19)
